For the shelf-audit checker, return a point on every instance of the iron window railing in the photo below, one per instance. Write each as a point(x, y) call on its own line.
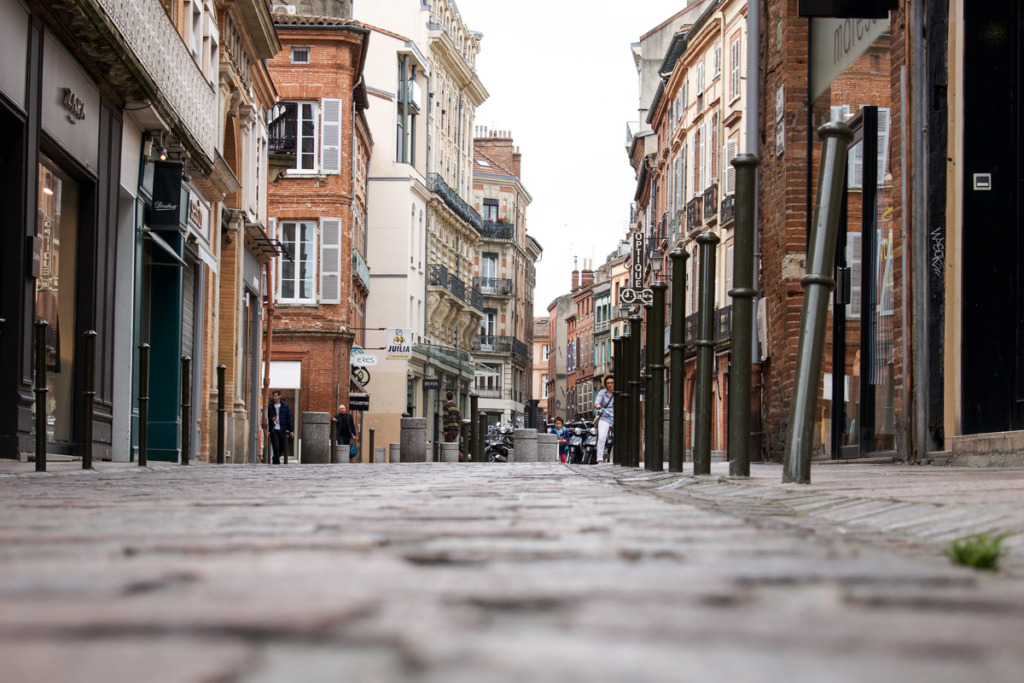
point(451, 198)
point(496, 230)
point(723, 323)
point(710, 201)
point(728, 209)
point(494, 285)
point(694, 214)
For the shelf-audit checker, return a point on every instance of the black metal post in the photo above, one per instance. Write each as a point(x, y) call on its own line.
point(618, 394)
point(481, 446)
point(817, 285)
point(373, 451)
point(186, 410)
point(474, 440)
point(636, 381)
point(465, 431)
point(656, 368)
point(41, 391)
point(677, 346)
point(648, 378)
point(334, 441)
point(624, 408)
point(708, 241)
point(88, 397)
point(143, 405)
point(742, 294)
point(222, 413)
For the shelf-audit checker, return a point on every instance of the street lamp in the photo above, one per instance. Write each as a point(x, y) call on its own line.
point(656, 259)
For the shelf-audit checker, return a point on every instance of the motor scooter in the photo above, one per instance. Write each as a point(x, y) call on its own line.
point(582, 443)
point(499, 444)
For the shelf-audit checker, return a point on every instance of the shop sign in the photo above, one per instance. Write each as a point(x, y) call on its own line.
point(359, 402)
point(836, 44)
point(166, 195)
point(199, 215)
point(398, 343)
point(434, 383)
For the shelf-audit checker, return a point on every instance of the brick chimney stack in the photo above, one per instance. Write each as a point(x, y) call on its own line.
point(575, 276)
point(517, 161)
point(498, 145)
point(587, 276)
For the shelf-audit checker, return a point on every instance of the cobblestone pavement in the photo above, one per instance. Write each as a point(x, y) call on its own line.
point(522, 572)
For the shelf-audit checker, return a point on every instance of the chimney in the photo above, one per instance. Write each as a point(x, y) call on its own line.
point(517, 160)
point(587, 276)
point(575, 276)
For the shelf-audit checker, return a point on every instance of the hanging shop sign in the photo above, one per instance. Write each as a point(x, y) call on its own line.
point(166, 213)
point(398, 344)
point(360, 402)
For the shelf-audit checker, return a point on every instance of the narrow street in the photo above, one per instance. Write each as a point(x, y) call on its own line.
point(523, 572)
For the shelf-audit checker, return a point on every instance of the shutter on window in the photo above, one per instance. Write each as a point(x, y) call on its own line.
point(728, 170)
point(330, 260)
point(729, 273)
point(883, 142)
point(330, 137)
point(853, 258)
point(702, 161)
point(855, 166)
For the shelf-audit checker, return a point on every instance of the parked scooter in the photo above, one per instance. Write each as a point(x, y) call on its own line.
point(499, 444)
point(582, 443)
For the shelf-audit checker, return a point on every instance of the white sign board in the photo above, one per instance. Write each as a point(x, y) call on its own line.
point(836, 44)
point(398, 343)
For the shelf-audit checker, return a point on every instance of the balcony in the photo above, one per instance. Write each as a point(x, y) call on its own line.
point(361, 270)
point(710, 202)
point(454, 202)
point(476, 299)
point(601, 326)
point(691, 329)
point(492, 392)
point(497, 230)
point(728, 209)
point(493, 286)
point(489, 343)
point(457, 287)
point(723, 323)
point(440, 277)
point(694, 214)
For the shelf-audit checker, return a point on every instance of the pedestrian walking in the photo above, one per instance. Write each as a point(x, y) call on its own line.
point(347, 432)
point(282, 431)
point(604, 406)
point(562, 433)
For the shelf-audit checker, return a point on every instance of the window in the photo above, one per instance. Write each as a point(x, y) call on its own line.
point(700, 87)
point(713, 150)
point(300, 55)
point(296, 276)
point(544, 386)
point(855, 164)
point(698, 161)
point(718, 60)
point(293, 132)
point(734, 80)
point(408, 105)
point(490, 209)
point(545, 352)
point(728, 170)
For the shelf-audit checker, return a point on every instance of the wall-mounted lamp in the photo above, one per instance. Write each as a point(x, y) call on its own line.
point(656, 260)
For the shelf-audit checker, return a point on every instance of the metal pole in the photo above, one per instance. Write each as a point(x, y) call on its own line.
point(334, 441)
point(620, 410)
point(373, 452)
point(635, 323)
point(656, 353)
point(624, 409)
point(222, 413)
point(41, 391)
point(648, 378)
point(88, 398)
point(186, 410)
point(465, 430)
point(705, 343)
point(742, 294)
point(817, 285)
point(474, 439)
point(677, 401)
point(143, 405)
point(481, 430)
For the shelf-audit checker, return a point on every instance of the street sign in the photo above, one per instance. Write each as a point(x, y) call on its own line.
point(359, 402)
point(434, 383)
point(398, 343)
point(632, 296)
point(636, 263)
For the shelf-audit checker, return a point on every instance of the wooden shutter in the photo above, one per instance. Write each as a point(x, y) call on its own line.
point(330, 136)
point(728, 170)
point(330, 260)
point(853, 260)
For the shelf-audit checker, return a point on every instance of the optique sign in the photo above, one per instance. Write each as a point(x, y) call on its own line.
point(636, 269)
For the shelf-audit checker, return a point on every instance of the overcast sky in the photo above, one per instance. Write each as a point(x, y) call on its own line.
point(561, 79)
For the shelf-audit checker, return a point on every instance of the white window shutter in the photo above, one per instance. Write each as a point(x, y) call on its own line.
point(728, 170)
point(330, 260)
point(703, 157)
point(884, 118)
point(855, 167)
point(729, 272)
point(330, 136)
point(853, 261)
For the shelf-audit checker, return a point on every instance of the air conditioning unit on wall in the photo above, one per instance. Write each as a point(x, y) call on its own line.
point(283, 9)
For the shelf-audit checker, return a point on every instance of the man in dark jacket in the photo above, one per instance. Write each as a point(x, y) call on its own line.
point(279, 417)
point(347, 432)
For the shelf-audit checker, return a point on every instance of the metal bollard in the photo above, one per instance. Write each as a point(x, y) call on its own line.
point(464, 431)
point(143, 405)
point(742, 294)
point(88, 397)
point(186, 410)
point(677, 346)
point(648, 377)
point(41, 391)
point(705, 354)
point(481, 427)
point(636, 381)
point(373, 450)
point(623, 417)
point(620, 411)
point(817, 286)
point(222, 414)
point(656, 352)
point(474, 427)
point(334, 441)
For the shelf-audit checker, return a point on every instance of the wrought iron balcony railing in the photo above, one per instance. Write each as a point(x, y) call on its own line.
point(728, 209)
point(451, 198)
point(723, 323)
point(498, 286)
point(497, 231)
point(694, 214)
point(438, 275)
point(691, 329)
point(710, 202)
point(476, 299)
point(489, 343)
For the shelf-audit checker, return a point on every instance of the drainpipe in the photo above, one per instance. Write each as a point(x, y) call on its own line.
point(753, 95)
point(267, 354)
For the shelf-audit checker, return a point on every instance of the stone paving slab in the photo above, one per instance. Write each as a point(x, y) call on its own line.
point(472, 572)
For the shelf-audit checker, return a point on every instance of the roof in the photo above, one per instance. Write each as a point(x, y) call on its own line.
point(482, 163)
point(281, 19)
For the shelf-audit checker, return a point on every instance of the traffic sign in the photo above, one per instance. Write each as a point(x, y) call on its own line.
point(631, 296)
